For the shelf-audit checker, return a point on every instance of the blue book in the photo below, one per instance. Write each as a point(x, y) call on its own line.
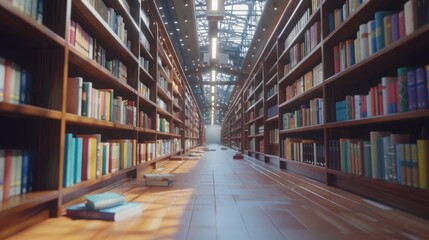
point(104, 200)
point(412, 90)
point(399, 162)
point(372, 37)
point(68, 159)
point(25, 169)
point(421, 88)
point(395, 27)
point(379, 28)
point(23, 88)
point(331, 21)
point(78, 160)
point(116, 213)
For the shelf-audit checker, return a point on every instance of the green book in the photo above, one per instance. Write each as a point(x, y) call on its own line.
point(403, 88)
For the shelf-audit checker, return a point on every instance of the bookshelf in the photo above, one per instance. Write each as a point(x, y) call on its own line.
point(122, 69)
point(330, 126)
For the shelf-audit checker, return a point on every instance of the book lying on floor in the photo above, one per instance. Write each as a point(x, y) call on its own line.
point(116, 213)
point(104, 200)
point(158, 179)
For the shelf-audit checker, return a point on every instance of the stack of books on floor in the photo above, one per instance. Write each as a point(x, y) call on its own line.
point(105, 206)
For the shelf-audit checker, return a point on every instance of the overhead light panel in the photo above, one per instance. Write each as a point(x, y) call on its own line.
point(215, 5)
point(213, 89)
point(214, 48)
point(213, 76)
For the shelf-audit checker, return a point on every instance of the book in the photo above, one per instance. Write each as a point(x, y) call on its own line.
point(158, 183)
point(2, 76)
point(395, 27)
point(363, 30)
point(421, 88)
point(403, 88)
point(412, 90)
point(74, 95)
point(2, 171)
point(423, 163)
point(104, 200)
point(410, 16)
point(380, 28)
point(117, 213)
point(376, 152)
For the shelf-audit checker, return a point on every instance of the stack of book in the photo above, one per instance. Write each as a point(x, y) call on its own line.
point(105, 206)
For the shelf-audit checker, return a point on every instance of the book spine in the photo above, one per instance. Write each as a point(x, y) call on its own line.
point(423, 165)
point(409, 16)
point(412, 90)
point(421, 88)
point(395, 27)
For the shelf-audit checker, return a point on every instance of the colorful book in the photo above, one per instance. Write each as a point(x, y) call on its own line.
point(403, 88)
point(376, 152)
point(410, 16)
point(412, 90)
point(117, 213)
point(395, 27)
point(387, 20)
point(380, 28)
point(2, 171)
point(104, 200)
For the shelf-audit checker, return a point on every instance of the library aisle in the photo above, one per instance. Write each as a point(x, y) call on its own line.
point(217, 197)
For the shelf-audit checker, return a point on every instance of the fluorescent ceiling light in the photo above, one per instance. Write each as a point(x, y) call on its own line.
point(213, 89)
point(212, 98)
point(215, 5)
point(214, 47)
point(213, 75)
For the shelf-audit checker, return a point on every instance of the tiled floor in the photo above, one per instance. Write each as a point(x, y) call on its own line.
point(220, 198)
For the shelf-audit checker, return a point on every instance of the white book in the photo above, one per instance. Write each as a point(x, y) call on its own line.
point(363, 30)
point(358, 106)
point(385, 92)
point(2, 77)
point(368, 105)
point(409, 16)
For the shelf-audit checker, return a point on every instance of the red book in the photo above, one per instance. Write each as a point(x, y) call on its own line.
point(7, 173)
point(7, 80)
point(401, 24)
point(380, 100)
point(85, 154)
point(336, 59)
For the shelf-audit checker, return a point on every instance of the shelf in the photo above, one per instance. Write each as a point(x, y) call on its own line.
point(96, 72)
point(272, 72)
point(300, 35)
point(254, 105)
point(87, 186)
point(392, 54)
point(86, 121)
point(145, 130)
point(271, 98)
point(12, 110)
point(163, 113)
point(101, 31)
point(274, 118)
point(254, 120)
point(177, 119)
point(306, 96)
point(413, 200)
point(146, 75)
point(272, 80)
point(146, 102)
point(164, 95)
point(129, 20)
point(311, 171)
point(22, 27)
point(395, 117)
point(305, 65)
point(303, 129)
point(26, 201)
point(146, 28)
point(256, 136)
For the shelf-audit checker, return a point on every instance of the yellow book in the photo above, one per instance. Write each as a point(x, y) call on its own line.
point(423, 158)
point(92, 160)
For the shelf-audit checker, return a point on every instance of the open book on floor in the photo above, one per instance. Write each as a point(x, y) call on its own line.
point(117, 213)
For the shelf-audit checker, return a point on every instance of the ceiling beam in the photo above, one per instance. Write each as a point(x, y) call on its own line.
point(219, 69)
point(200, 82)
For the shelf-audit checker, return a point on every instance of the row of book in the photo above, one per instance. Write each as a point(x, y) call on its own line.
point(15, 83)
point(16, 172)
point(386, 156)
point(165, 147)
point(163, 84)
point(162, 124)
point(386, 28)
point(161, 104)
point(86, 157)
point(84, 100)
point(303, 150)
point(308, 115)
point(315, 4)
point(91, 48)
point(144, 41)
point(297, 28)
point(144, 90)
point(306, 82)
point(272, 91)
point(273, 111)
point(407, 91)
point(145, 63)
point(144, 120)
point(113, 19)
point(252, 144)
point(32, 8)
point(339, 15)
point(301, 49)
point(273, 136)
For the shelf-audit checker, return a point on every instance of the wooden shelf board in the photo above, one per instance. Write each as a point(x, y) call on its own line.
point(28, 200)
point(23, 110)
point(303, 129)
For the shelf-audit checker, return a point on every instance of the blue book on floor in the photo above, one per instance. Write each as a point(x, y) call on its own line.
point(116, 213)
point(104, 200)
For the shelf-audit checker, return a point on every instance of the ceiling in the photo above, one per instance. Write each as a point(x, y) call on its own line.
point(242, 33)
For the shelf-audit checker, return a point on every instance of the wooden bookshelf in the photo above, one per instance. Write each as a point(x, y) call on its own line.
point(40, 126)
point(354, 79)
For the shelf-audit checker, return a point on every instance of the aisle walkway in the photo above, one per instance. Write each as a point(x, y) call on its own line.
point(220, 198)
